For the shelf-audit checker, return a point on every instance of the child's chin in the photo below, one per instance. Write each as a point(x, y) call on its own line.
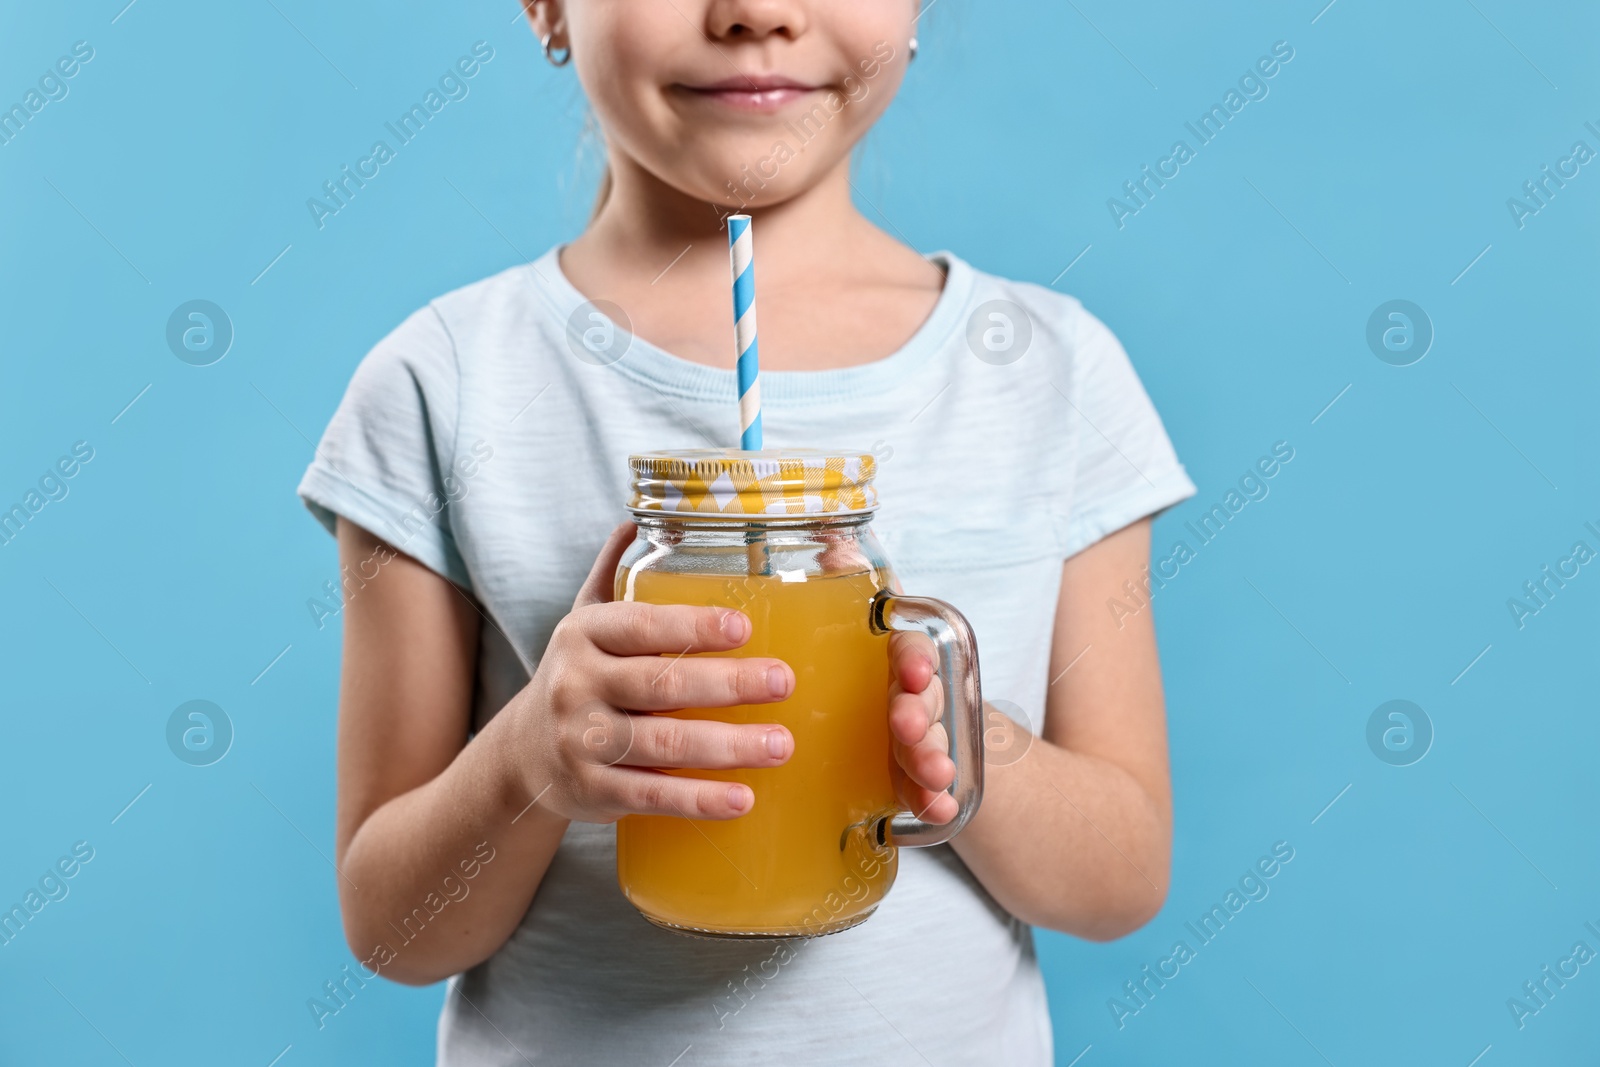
point(755, 181)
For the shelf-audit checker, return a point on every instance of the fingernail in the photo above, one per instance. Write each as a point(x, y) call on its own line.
point(739, 797)
point(778, 681)
point(777, 744)
point(735, 626)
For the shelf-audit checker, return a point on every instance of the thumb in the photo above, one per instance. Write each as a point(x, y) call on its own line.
point(603, 575)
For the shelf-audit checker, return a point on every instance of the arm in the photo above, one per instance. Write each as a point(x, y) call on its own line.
point(416, 798)
point(1076, 835)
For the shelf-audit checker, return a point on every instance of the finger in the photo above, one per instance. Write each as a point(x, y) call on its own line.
point(927, 764)
point(657, 683)
point(633, 629)
point(908, 717)
point(643, 792)
point(912, 656)
point(842, 554)
point(929, 805)
point(660, 741)
point(912, 715)
point(940, 809)
point(597, 588)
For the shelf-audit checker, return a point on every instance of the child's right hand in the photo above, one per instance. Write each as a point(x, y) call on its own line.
point(584, 742)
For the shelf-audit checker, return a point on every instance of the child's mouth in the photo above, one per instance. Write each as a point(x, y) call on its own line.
point(759, 93)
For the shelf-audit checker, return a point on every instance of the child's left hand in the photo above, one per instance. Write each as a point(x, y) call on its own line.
point(922, 768)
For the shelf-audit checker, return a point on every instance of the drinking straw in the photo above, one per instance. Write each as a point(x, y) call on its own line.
point(741, 253)
point(741, 257)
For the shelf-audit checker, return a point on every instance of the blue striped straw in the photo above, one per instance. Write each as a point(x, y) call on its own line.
point(741, 252)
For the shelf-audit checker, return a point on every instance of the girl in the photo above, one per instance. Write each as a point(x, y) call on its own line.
point(474, 474)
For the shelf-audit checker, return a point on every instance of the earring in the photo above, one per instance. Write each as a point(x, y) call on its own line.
point(913, 50)
point(549, 54)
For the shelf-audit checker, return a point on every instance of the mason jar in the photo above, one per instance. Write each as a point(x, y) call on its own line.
point(785, 537)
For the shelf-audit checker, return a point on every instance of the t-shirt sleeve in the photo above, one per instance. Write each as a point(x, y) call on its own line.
point(1124, 467)
point(384, 461)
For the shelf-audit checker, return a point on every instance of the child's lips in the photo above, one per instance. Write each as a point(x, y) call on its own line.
point(751, 94)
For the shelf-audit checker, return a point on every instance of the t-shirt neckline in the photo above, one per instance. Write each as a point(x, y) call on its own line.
point(660, 369)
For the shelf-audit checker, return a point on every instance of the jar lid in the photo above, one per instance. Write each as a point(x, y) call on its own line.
point(731, 482)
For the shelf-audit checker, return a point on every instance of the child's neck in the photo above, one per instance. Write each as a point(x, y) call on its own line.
point(663, 257)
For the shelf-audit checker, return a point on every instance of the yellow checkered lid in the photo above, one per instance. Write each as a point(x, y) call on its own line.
point(733, 483)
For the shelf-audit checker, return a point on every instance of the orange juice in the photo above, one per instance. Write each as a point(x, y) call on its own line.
point(805, 859)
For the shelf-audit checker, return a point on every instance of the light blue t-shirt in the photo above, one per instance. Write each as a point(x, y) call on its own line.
point(488, 437)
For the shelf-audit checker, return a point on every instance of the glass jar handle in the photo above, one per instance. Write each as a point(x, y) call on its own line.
point(957, 671)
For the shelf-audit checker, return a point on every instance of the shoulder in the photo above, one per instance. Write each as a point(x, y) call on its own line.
point(1046, 302)
point(503, 306)
point(431, 344)
point(1029, 317)
point(517, 289)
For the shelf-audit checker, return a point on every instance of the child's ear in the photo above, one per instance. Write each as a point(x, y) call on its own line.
point(547, 19)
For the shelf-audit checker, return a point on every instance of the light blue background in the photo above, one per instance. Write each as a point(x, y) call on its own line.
point(1415, 505)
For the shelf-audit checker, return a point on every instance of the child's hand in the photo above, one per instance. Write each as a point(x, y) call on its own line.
point(584, 748)
point(922, 767)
